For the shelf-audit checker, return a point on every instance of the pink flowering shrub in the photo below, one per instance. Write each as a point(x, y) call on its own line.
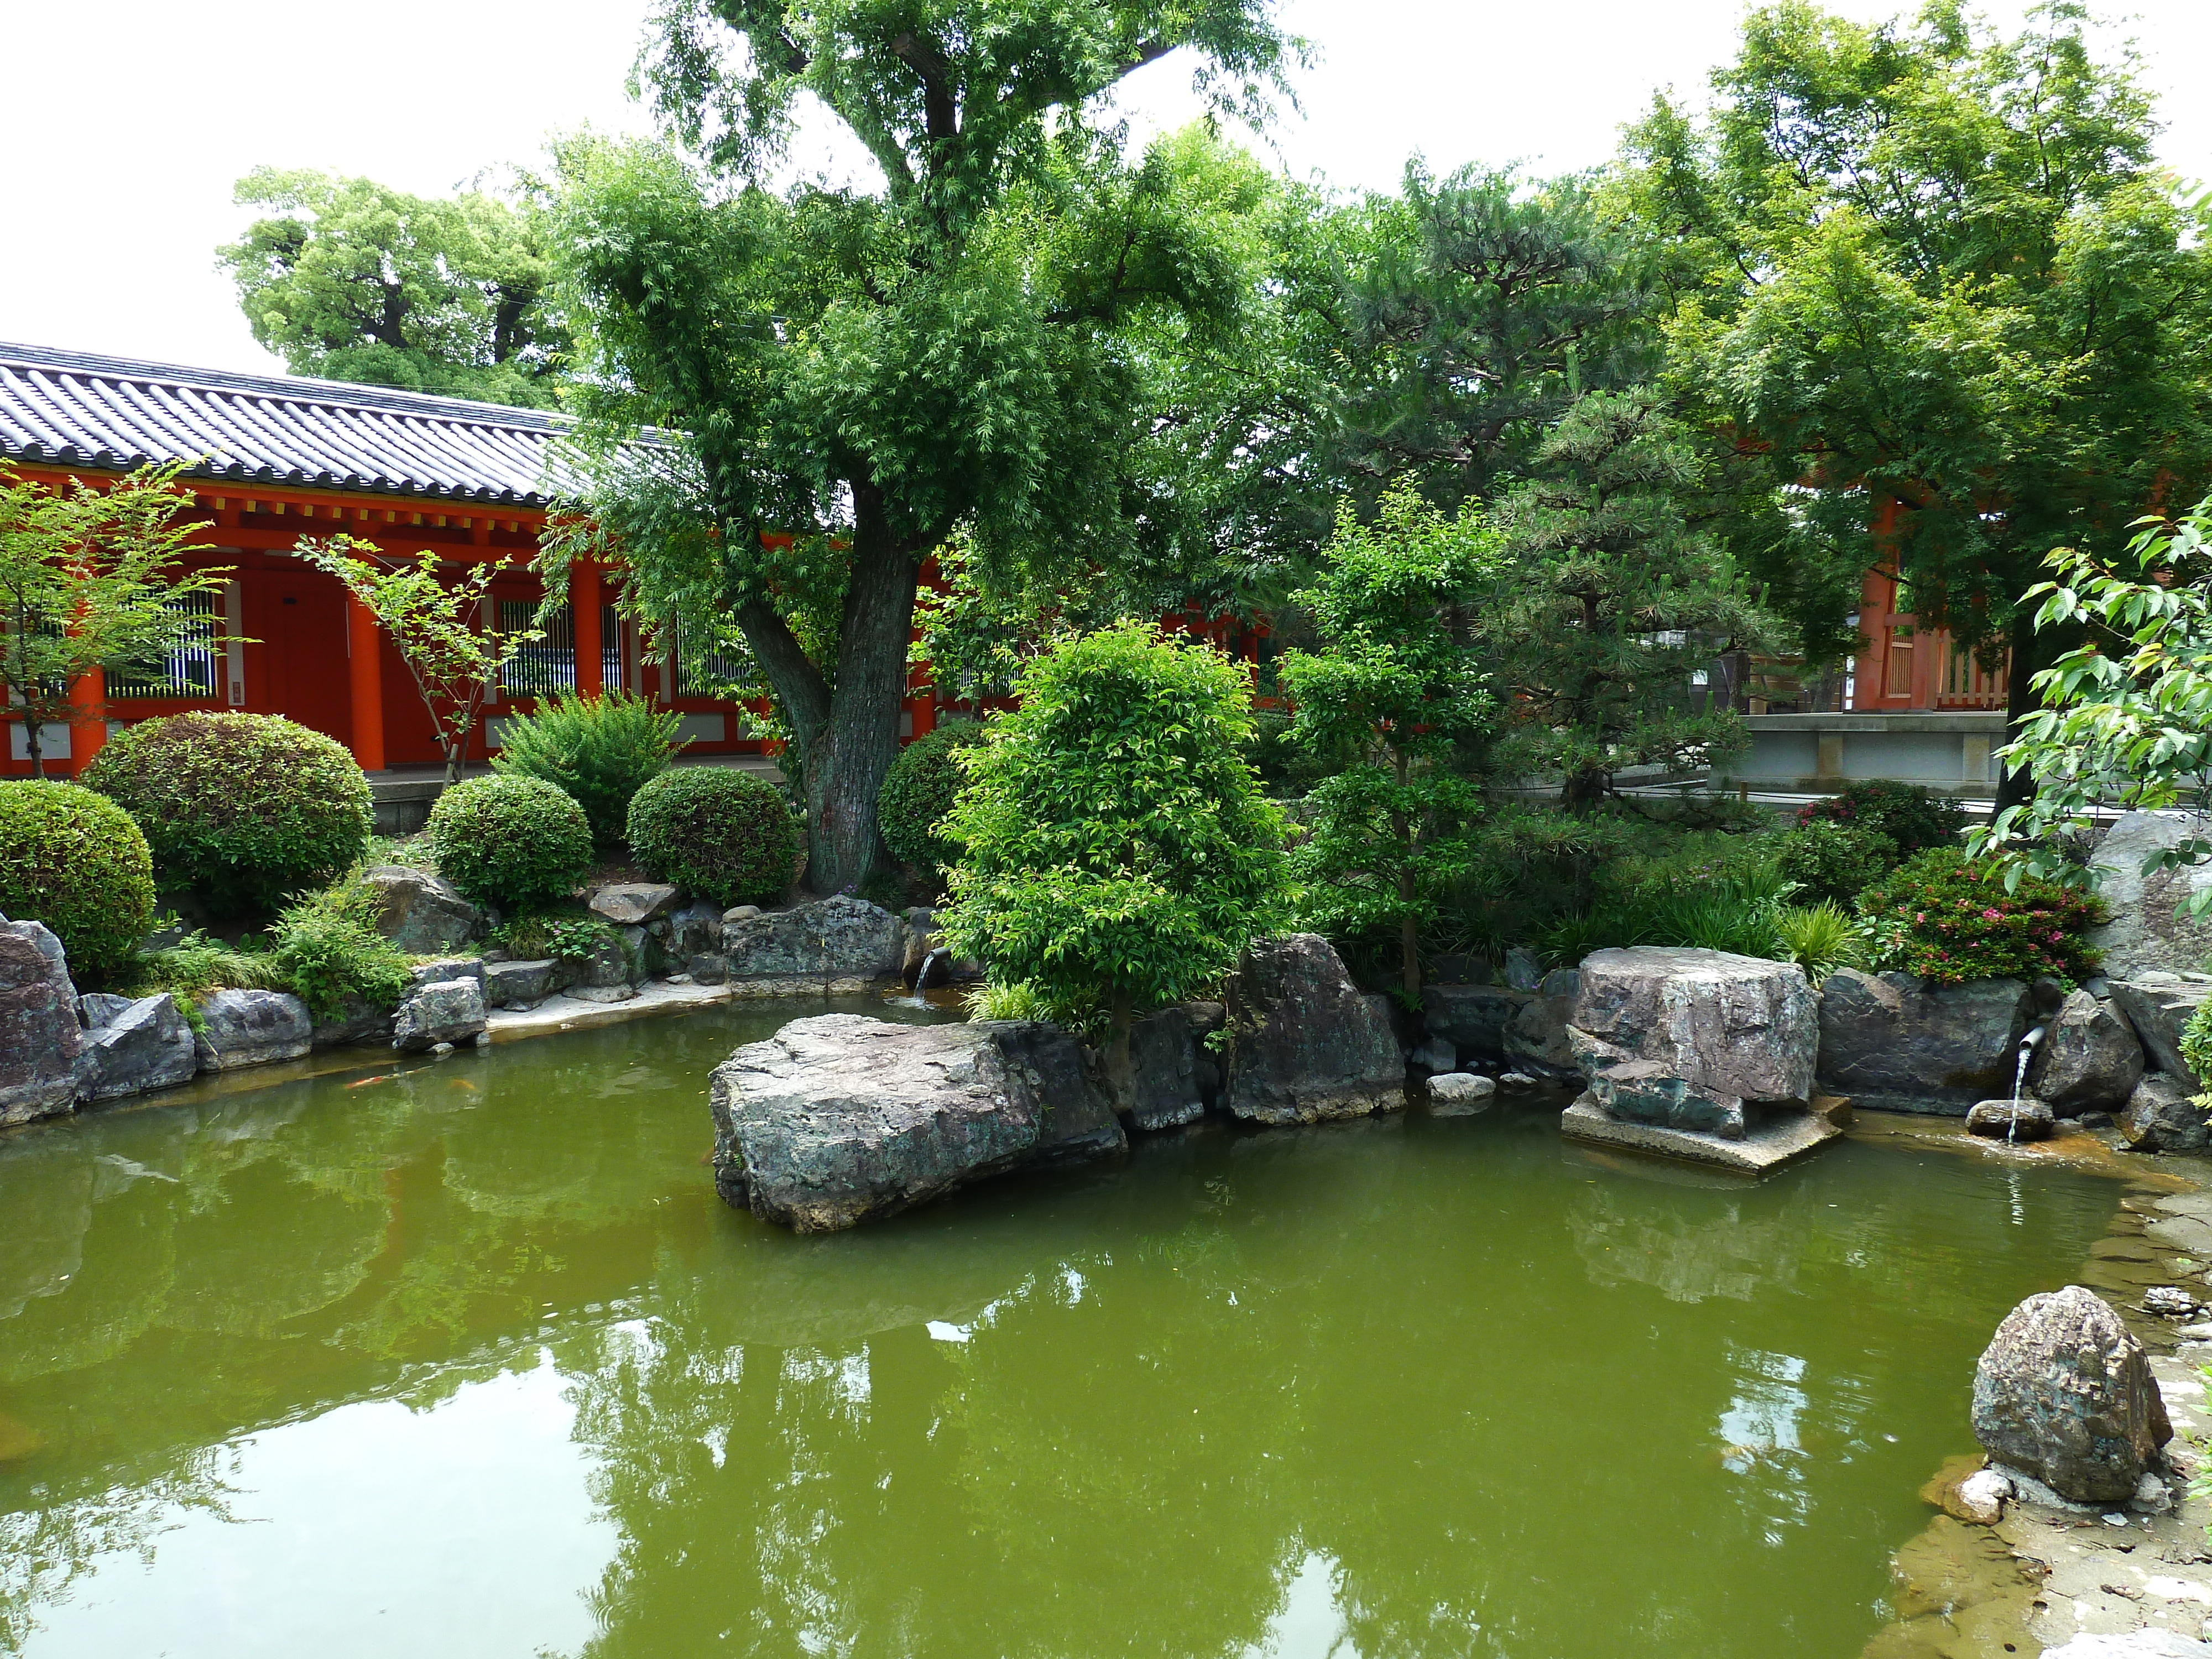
point(1945, 919)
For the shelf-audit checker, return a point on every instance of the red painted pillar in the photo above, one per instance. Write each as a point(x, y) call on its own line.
point(584, 603)
point(88, 727)
point(365, 653)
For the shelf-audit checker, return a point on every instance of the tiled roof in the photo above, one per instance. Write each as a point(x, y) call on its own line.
point(76, 409)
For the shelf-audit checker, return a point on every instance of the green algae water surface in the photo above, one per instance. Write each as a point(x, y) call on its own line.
point(473, 1362)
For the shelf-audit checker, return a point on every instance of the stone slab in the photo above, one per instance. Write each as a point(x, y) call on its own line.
point(1772, 1141)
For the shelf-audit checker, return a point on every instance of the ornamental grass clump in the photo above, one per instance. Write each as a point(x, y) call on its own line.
point(74, 860)
point(519, 843)
point(1945, 919)
point(242, 810)
point(1116, 852)
point(601, 750)
point(719, 834)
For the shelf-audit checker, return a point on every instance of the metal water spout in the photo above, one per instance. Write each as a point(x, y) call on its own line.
point(921, 977)
point(2019, 1079)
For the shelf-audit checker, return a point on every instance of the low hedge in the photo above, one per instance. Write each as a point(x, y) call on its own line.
point(918, 793)
point(74, 860)
point(1908, 814)
point(722, 835)
point(1833, 862)
point(242, 810)
point(516, 842)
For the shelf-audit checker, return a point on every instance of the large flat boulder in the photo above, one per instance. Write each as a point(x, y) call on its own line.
point(839, 1119)
point(40, 1035)
point(252, 1028)
point(520, 984)
point(812, 945)
point(1303, 1045)
point(1894, 1040)
point(634, 904)
point(419, 913)
point(2088, 1059)
point(2065, 1393)
point(2158, 1006)
point(2146, 934)
point(143, 1045)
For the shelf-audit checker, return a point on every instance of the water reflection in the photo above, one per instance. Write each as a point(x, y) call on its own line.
point(479, 1346)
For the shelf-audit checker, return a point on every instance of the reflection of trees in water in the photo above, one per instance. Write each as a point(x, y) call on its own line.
point(1686, 1249)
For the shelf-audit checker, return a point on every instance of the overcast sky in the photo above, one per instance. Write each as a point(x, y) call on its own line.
point(125, 126)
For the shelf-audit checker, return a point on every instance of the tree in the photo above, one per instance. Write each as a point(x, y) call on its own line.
point(1117, 851)
point(963, 348)
point(88, 580)
point(1398, 683)
point(1611, 601)
point(1933, 278)
point(454, 657)
point(354, 281)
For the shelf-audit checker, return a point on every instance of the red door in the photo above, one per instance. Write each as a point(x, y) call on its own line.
point(305, 636)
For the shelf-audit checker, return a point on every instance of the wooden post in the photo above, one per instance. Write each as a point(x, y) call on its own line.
point(365, 653)
point(88, 727)
point(584, 626)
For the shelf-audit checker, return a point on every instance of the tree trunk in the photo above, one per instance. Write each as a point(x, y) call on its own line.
point(31, 741)
point(1409, 929)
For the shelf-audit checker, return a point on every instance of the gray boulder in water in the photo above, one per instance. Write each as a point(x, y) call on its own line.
point(2025, 1119)
point(39, 1035)
point(419, 913)
point(252, 1028)
point(141, 1045)
point(2088, 1059)
point(2065, 1392)
point(445, 1011)
point(1165, 1090)
point(839, 1119)
point(2162, 1115)
point(840, 938)
point(1303, 1044)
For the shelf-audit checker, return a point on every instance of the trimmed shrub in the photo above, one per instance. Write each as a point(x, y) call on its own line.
point(601, 750)
point(513, 841)
point(1907, 814)
point(918, 793)
point(242, 810)
point(74, 860)
point(721, 834)
point(1833, 862)
point(1946, 919)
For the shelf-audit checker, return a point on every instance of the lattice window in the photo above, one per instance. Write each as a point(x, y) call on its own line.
point(544, 666)
point(193, 668)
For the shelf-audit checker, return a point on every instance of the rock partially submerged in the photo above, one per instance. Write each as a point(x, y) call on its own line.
point(840, 1118)
point(1304, 1046)
point(39, 1034)
point(2026, 1119)
point(1459, 1094)
point(449, 1010)
point(2064, 1392)
point(141, 1045)
point(1894, 1040)
point(2088, 1059)
point(252, 1028)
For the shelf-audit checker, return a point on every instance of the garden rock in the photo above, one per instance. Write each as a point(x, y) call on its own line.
point(1459, 1094)
point(450, 1011)
point(1649, 1092)
point(1474, 1019)
point(1164, 1092)
point(1729, 1027)
point(1892, 1038)
point(2026, 1119)
point(1536, 1039)
point(708, 968)
point(446, 968)
point(2163, 1116)
point(1436, 1056)
point(634, 904)
point(2144, 934)
point(418, 912)
point(143, 1045)
point(252, 1028)
point(695, 930)
point(518, 984)
point(96, 1008)
point(838, 1118)
point(608, 974)
point(2159, 1007)
point(1523, 972)
point(356, 1020)
point(40, 1037)
point(839, 938)
point(1303, 1045)
point(2088, 1059)
point(2065, 1393)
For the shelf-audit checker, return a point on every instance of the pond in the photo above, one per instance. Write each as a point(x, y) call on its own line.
point(473, 1362)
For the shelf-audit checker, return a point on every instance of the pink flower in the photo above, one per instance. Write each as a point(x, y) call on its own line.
point(1991, 915)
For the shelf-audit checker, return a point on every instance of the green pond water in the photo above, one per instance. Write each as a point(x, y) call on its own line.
point(473, 1362)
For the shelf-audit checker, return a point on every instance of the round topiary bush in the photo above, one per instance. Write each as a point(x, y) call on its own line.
point(242, 810)
point(513, 841)
point(723, 834)
point(1912, 817)
point(74, 860)
point(918, 794)
point(1835, 862)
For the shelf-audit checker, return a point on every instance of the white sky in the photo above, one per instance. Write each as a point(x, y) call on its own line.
point(125, 126)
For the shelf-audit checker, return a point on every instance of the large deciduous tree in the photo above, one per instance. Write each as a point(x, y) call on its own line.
point(966, 346)
point(354, 281)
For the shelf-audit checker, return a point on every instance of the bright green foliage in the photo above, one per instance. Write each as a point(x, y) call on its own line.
point(1946, 919)
point(550, 935)
point(918, 793)
point(242, 810)
point(74, 860)
point(1117, 853)
point(1917, 261)
point(722, 835)
point(513, 841)
point(1834, 862)
point(452, 654)
point(601, 750)
point(2126, 716)
point(1914, 818)
point(1395, 682)
point(328, 948)
point(198, 965)
point(1820, 939)
point(1611, 600)
point(87, 578)
point(2197, 1047)
point(1712, 893)
point(993, 1000)
point(353, 281)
